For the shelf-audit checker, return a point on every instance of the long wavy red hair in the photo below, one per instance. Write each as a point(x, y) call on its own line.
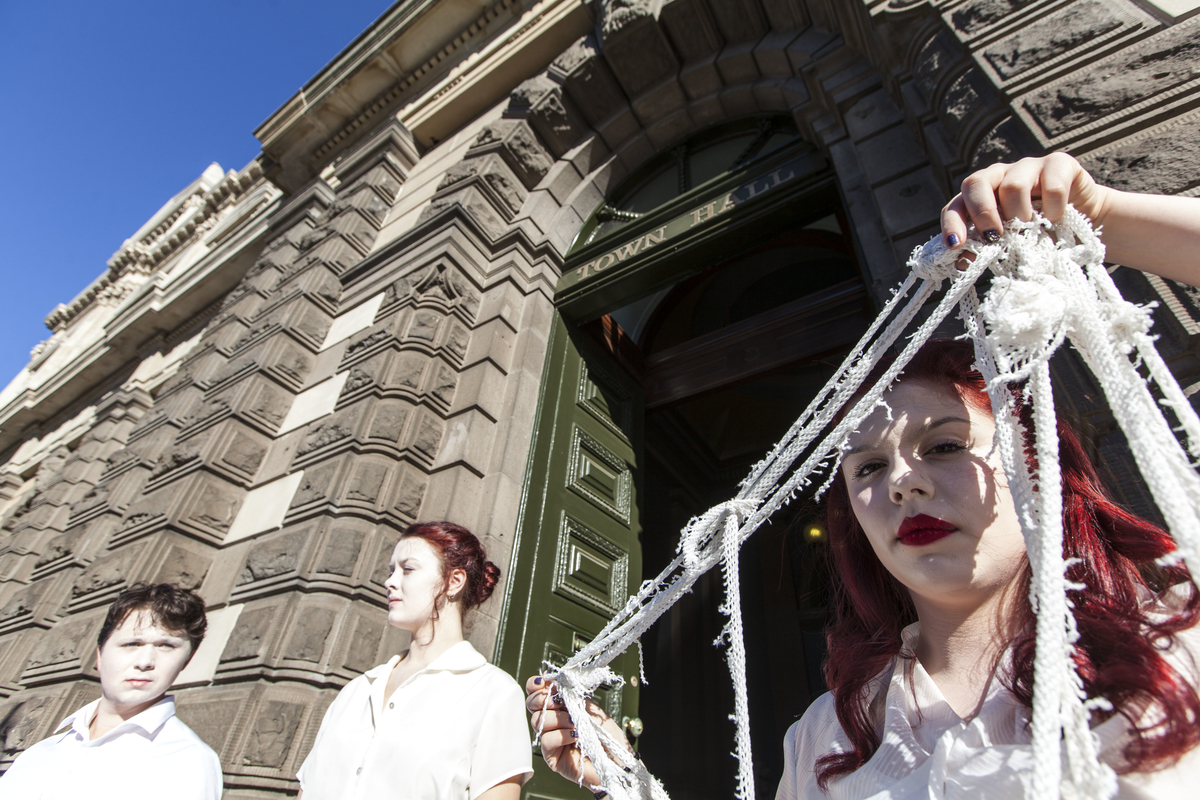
point(1121, 636)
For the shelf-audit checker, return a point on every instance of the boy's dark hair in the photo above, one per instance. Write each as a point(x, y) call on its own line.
point(177, 609)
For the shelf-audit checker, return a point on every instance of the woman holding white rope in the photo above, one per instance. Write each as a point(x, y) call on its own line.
point(931, 651)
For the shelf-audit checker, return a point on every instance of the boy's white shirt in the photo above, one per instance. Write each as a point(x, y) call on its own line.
point(152, 753)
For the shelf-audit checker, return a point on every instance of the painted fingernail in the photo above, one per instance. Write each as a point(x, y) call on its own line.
point(992, 236)
point(629, 769)
point(537, 681)
point(574, 734)
point(600, 795)
point(952, 240)
point(557, 698)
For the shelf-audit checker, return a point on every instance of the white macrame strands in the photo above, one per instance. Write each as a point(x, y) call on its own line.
point(1050, 285)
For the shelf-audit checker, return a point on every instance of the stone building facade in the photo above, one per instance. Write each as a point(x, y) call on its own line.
point(558, 271)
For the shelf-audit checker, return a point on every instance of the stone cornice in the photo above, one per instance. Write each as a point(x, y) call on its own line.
point(415, 49)
point(190, 214)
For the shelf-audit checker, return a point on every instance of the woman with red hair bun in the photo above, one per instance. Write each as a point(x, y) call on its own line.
point(931, 647)
point(437, 721)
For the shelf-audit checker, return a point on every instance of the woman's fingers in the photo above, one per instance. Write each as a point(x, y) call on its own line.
point(979, 201)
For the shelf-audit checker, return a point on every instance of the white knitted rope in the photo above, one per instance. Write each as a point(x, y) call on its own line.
point(1040, 296)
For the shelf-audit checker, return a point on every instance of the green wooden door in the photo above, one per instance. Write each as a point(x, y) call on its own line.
point(578, 556)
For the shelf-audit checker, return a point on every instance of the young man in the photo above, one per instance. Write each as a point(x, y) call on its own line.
point(129, 737)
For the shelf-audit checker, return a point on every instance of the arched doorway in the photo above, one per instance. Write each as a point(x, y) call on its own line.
point(703, 304)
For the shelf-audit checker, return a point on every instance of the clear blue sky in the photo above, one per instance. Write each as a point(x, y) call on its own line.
point(107, 109)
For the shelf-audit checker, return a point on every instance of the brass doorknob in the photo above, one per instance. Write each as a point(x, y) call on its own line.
point(633, 726)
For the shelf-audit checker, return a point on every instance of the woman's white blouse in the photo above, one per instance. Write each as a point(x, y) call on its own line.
point(450, 732)
point(928, 751)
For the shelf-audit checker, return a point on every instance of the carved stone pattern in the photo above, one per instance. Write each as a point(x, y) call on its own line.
point(341, 552)
point(247, 638)
point(106, 571)
point(66, 642)
point(58, 547)
point(312, 630)
point(367, 482)
point(315, 485)
point(388, 424)
point(212, 721)
point(1051, 37)
point(340, 427)
point(364, 645)
point(273, 557)
point(981, 13)
point(183, 567)
point(271, 738)
point(1150, 67)
point(19, 721)
point(1163, 163)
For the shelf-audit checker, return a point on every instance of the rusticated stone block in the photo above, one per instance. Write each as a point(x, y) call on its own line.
point(977, 15)
point(963, 102)
point(211, 718)
point(214, 506)
point(786, 15)
point(634, 46)
point(341, 551)
point(517, 144)
point(329, 431)
point(551, 113)
point(740, 20)
point(1138, 72)
point(24, 601)
point(474, 204)
point(363, 651)
point(311, 629)
point(65, 643)
point(21, 720)
point(589, 81)
point(388, 421)
point(496, 179)
point(183, 567)
point(366, 483)
point(106, 571)
point(407, 494)
point(1007, 141)
point(273, 556)
point(317, 486)
point(1164, 162)
point(437, 282)
point(59, 547)
point(1050, 37)
point(250, 636)
point(933, 60)
point(271, 738)
point(692, 29)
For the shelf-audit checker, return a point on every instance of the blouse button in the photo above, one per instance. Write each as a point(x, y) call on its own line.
point(391, 705)
point(358, 771)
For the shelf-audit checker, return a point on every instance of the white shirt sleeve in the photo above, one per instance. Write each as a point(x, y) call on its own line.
point(503, 748)
point(807, 740)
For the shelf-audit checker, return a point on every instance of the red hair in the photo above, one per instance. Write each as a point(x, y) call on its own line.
point(1121, 637)
point(458, 548)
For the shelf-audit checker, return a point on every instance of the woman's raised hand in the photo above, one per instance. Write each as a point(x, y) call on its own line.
point(1004, 191)
point(559, 735)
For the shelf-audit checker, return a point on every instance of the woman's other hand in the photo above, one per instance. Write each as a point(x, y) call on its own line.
point(1006, 191)
point(1155, 233)
point(559, 734)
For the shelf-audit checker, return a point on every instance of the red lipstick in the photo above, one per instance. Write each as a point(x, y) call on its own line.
point(923, 529)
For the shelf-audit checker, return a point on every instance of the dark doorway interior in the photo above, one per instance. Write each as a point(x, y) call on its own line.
point(729, 358)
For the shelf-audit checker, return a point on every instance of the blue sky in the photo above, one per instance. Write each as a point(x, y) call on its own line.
point(107, 109)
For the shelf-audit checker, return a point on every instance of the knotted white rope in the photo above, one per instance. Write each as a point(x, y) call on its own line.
point(1049, 285)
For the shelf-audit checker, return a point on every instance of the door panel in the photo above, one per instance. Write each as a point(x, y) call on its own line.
point(578, 553)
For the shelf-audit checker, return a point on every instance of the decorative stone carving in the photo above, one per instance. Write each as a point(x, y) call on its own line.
point(212, 721)
point(106, 571)
point(19, 722)
point(183, 567)
point(1050, 37)
point(360, 656)
point(271, 738)
point(517, 144)
point(317, 484)
point(338, 427)
point(388, 423)
point(216, 505)
point(590, 82)
point(274, 556)
point(438, 281)
point(496, 179)
point(312, 628)
point(1164, 162)
point(341, 551)
point(977, 15)
point(429, 436)
point(244, 454)
point(424, 326)
point(407, 494)
point(64, 643)
point(58, 547)
point(366, 483)
point(248, 637)
point(1138, 72)
point(24, 601)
